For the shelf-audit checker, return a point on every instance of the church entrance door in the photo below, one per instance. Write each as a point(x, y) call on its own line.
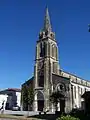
point(62, 106)
point(40, 105)
point(40, 101)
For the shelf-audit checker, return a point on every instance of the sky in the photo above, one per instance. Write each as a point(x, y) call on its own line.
point(20, 24)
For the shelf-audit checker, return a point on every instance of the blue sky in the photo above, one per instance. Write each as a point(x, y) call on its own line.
point(20, 23)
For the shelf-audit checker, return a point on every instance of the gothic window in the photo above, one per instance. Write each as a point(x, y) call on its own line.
point(36, 52)
point(72, 92)
point(41, 74)
point(40, 96)
point(48, 48)
point(75, 91)
point(56, 52)
point(53, 50)
point(46, 33)
point(54, 67)
point(43, 48)
point(40, 35)
point(41, 81)
point(85, 90)
point(81, 91)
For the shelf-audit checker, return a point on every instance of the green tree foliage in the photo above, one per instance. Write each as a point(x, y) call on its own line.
point(68, 117)
point(27, 96)
point(24, 94)
point(24, 97)
point(30, 96)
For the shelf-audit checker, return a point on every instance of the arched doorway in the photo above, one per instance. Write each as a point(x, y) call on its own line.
point(61, 88)
point(40, 101)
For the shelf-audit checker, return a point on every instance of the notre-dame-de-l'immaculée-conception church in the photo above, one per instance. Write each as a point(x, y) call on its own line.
point(48, 77)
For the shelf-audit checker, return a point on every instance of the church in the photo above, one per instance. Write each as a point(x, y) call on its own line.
point(48, 77)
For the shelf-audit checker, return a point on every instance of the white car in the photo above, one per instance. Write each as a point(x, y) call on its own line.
point(16, 108)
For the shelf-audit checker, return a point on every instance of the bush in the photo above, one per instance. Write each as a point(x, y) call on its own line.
point(68, 117)
point(78, 113)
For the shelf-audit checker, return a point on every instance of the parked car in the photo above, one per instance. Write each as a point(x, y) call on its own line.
point(16, 108)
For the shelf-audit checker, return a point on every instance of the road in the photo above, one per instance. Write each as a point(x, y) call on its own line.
point(6, 119)
point(24, 113)
point(21, 113)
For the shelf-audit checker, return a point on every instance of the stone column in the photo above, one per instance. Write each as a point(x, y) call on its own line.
point(35, 76)
point(35, 103)
point(52, 105)
point(72, 96)
point(68, 100)
point(58, 106)
point(77, 97)
point(46, 101)
point(46, 84)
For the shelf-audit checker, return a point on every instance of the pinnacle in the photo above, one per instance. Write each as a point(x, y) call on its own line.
point(47, 24)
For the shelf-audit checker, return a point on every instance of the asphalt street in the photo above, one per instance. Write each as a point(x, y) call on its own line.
point(6, 119)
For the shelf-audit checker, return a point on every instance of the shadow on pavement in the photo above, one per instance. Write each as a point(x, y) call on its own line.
point(16, 114)
point(46, 116)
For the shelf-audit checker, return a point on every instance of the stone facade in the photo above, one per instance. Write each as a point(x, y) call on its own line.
point(48, 77)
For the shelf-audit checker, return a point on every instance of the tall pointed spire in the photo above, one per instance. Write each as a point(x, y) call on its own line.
point(47, 24)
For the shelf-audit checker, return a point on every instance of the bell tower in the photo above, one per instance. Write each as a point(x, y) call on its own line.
point(46, 63)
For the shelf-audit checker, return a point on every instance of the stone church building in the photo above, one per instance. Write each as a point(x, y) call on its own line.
point(48, 77)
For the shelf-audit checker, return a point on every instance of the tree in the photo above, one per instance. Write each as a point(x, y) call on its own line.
point(30, 96)
point(56, 97)
point(24, 97)
point(27, 97)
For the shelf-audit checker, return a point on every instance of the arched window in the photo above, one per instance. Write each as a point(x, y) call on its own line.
point(43, 48)
point(49, 49)
point(56, 52)
point(53, 51)
point(54, 67)
point(40, 96)
point(60, 87)
point(41, 81)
